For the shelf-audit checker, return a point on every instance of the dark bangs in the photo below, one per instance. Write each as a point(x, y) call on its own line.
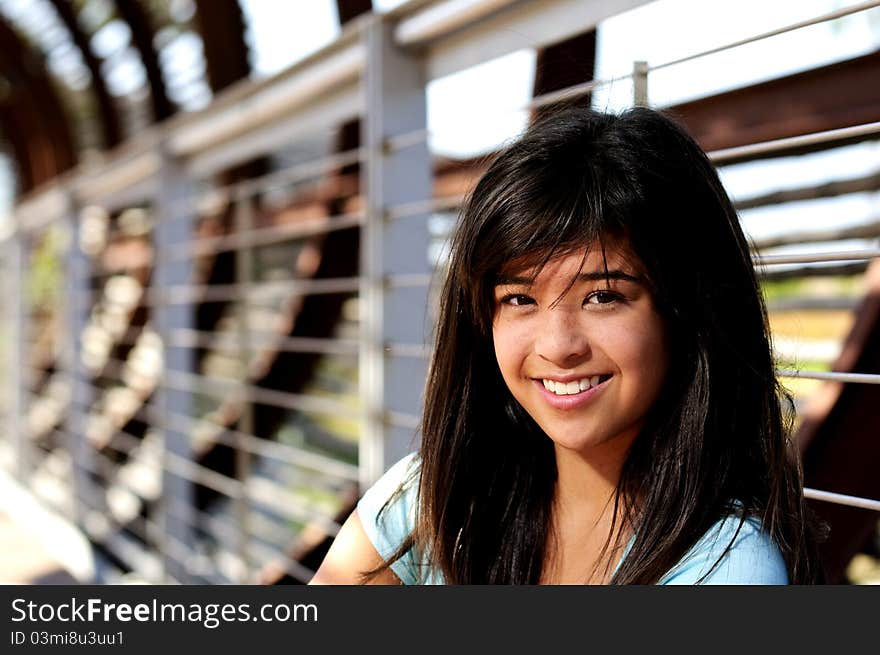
point(543, 197)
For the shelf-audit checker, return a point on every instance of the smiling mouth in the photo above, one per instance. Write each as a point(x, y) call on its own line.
point(575, 386)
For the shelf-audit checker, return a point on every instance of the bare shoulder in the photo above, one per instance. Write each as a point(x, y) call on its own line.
point(350, 556)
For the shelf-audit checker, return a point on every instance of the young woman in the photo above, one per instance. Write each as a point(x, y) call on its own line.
point(601, 405)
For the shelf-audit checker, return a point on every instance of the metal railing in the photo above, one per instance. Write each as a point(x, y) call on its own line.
point(150, 427)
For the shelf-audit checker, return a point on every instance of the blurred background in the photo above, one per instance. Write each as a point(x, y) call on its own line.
point(222, 223)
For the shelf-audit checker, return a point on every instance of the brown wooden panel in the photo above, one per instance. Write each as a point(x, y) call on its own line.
point(826, 98)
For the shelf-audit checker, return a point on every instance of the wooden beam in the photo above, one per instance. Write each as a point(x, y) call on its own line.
point(45, 148)
point(817, 100)
point(142, 33)
point(109, 116)
point(222, 27)
point(866, 183)
point(564, 64)
point(348, 10)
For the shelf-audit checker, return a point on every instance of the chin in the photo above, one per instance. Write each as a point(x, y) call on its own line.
point(586, 442)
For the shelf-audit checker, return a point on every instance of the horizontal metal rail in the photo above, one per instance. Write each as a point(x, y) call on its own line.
point(416, 350)
point(220, 530)
point(559, 96)
point(406, 140)
point(231, 341)
point(123, 443)
point(193, 561)
point(403, 280)
point(272, 495)
point(294, 174)
point(831, 376)
point(260, 490)
point(842, 499)
point(818, 303)
point(438, 19)
point(193, 205)
point(267, 236)
point(200, 518)
point(193, 293)
point(577, 91)
point(824, 18)
point(227, 387)
point(403, 420)
point(229, 292)
point(135, 555)
point(225, 485)
point(720, 157)
point(571, 93)
point(807, 258)
point(299, 457)
point(410, 209)
point(189, 470)
point(834, 188)
point(137, 525)
point(290, 566)
point(263, 447)
point(863, 231)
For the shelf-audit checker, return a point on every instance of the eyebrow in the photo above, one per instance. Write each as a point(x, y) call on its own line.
point(615, 274)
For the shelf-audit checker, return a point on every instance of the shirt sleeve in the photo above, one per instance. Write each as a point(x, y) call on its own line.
point(388, 526)
point(753, 558)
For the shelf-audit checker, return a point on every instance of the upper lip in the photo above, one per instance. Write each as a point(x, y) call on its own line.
point(570, 377)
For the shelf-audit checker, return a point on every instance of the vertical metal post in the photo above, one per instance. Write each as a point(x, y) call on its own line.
point(395, 104)
point(174, 226)
point(7, 350)
point(640, 83)
point(244, 274)
point(18, 372)
point(78, 286)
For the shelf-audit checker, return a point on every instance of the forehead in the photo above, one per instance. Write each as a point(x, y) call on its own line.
point(616, 256)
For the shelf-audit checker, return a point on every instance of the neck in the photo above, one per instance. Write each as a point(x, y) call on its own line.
point(586, 481)
point(582, 547)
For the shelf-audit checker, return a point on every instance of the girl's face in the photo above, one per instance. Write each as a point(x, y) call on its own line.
point(585, 360)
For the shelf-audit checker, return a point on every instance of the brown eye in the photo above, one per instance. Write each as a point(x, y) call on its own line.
point(517, 299)
point(602, 297)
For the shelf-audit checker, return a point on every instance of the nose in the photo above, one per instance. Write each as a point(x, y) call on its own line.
point(562, 339)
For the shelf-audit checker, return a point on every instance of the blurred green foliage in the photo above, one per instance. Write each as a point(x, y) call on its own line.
point(45, 275)
point(843, 285)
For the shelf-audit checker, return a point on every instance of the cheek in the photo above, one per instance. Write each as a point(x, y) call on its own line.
point(648, 353)
point(637, 345)
point(511, 348)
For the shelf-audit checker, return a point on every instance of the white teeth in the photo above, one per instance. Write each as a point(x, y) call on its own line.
point(570, 388)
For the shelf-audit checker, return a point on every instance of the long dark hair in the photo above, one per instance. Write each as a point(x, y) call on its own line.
point(719, 433)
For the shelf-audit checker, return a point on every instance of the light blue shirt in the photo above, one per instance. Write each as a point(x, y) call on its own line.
point(753, 559)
